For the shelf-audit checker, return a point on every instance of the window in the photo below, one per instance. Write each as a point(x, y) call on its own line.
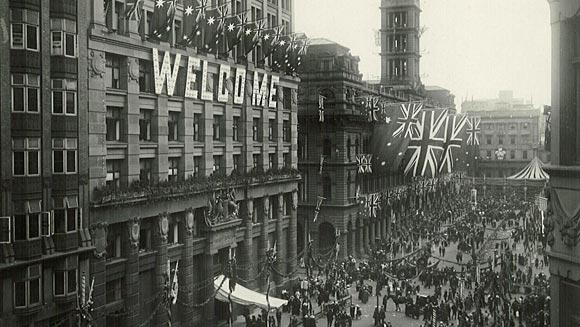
point(303, 145)
point(236, 128)
point(197, 136)
point(113, 71)
point(488, 140)
point(326, 187)
point(113, 244)
point(25, 93)
point(512, 139)
point(303, 187)
point(144, 125)
point(526, 125)
point(65, 282)
point(500, 140)
point(217, 127)
point(177, 30)
point(64, 156)
point(326, 148)
point(488, 154)
point(196, 166)
point(5, 230)
point(63, 38)
point(26, 157)
point(66, 214)
point(27, 288)
point(512, 154)
point(145, 239)
point(113, 121)
point(271, 160)
point(236, 162)
point(145, 169)
point(114, 173)
point(145, 76)
point(217, 164)
point(271, 128)
point(348, 149)
point(32, 223)
point(64, 97)
point(173, 231)
point(256, 161)
point(525, 155)
point(286, 131)
point(24, 29)
point(172, 124)
point(287, 161)
point(256, 130)
point(173, 170)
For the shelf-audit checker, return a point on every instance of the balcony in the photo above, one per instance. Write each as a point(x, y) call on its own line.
point(142, 192)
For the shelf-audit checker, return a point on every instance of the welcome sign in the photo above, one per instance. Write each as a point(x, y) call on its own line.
point(262, 93)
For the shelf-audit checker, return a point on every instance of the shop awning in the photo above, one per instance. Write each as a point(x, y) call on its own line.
point(244, 296)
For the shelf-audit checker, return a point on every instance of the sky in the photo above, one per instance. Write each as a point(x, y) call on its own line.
point(474, 48)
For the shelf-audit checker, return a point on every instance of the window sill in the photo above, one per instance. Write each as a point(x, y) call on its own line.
point(176, 144)
point(148, 144)
point(111, 90)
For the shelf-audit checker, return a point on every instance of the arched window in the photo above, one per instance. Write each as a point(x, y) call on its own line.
point(357, 146)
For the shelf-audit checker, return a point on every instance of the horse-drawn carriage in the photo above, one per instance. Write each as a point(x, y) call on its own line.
point(414, 310)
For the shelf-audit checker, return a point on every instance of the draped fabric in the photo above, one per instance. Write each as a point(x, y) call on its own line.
point(244, 296)
point(533, 171)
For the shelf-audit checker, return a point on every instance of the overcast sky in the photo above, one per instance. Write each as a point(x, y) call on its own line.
point(472, 47)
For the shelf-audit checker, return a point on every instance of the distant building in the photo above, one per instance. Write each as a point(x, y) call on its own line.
point(563, 215)
point(511, 135)
point(441, 97)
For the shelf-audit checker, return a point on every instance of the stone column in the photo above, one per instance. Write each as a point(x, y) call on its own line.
point(98, 272)
point(292, 237)
point(132, 286)
point(208, 309)
point(343, 251)
point(160, 230)
point(247, 250)
point(352, 242)
point(280, 242)
point(372, 233)
point(185, 298)
point(366, 238)
point(264, 239)
point(359, 240)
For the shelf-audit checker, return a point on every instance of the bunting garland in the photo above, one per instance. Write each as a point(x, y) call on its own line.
point(321, 108)
point(319, 201)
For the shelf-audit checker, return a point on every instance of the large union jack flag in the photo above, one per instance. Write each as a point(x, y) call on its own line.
point(407, 123)
point(453, 140)
point(427, 147)
point(373, 204)
point(473, 130)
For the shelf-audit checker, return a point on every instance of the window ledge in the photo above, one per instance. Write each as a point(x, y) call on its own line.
point(148, 144)
point(63, 299)
point(111, 90)
point(116, 145)
point(25, 311)
point(115, 261)
point(176, 144)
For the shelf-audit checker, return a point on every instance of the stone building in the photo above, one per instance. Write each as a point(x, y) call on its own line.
point(186, 173)
point(563, 213)
point(512, 133)
point(45, 245)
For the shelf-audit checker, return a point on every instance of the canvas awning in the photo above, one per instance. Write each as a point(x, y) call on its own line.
point(533, 171)
point(245, 296)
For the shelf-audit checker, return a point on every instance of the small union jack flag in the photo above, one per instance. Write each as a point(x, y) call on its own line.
point(407, 123)
point(373, 204)
point(473, 130)
point(364, 162)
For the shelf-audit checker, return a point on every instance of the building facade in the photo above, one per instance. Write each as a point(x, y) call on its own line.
point(185, 169)
point(563, 214)
point(44, 238)
point(512, 133)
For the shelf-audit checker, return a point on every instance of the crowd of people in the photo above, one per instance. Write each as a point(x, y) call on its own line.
point(473, 290)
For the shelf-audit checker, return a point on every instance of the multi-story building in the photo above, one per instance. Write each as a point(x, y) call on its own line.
point(512, 133)
point(331, 71)
point(44, 239)
point(185, 168)
point(562, 215)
